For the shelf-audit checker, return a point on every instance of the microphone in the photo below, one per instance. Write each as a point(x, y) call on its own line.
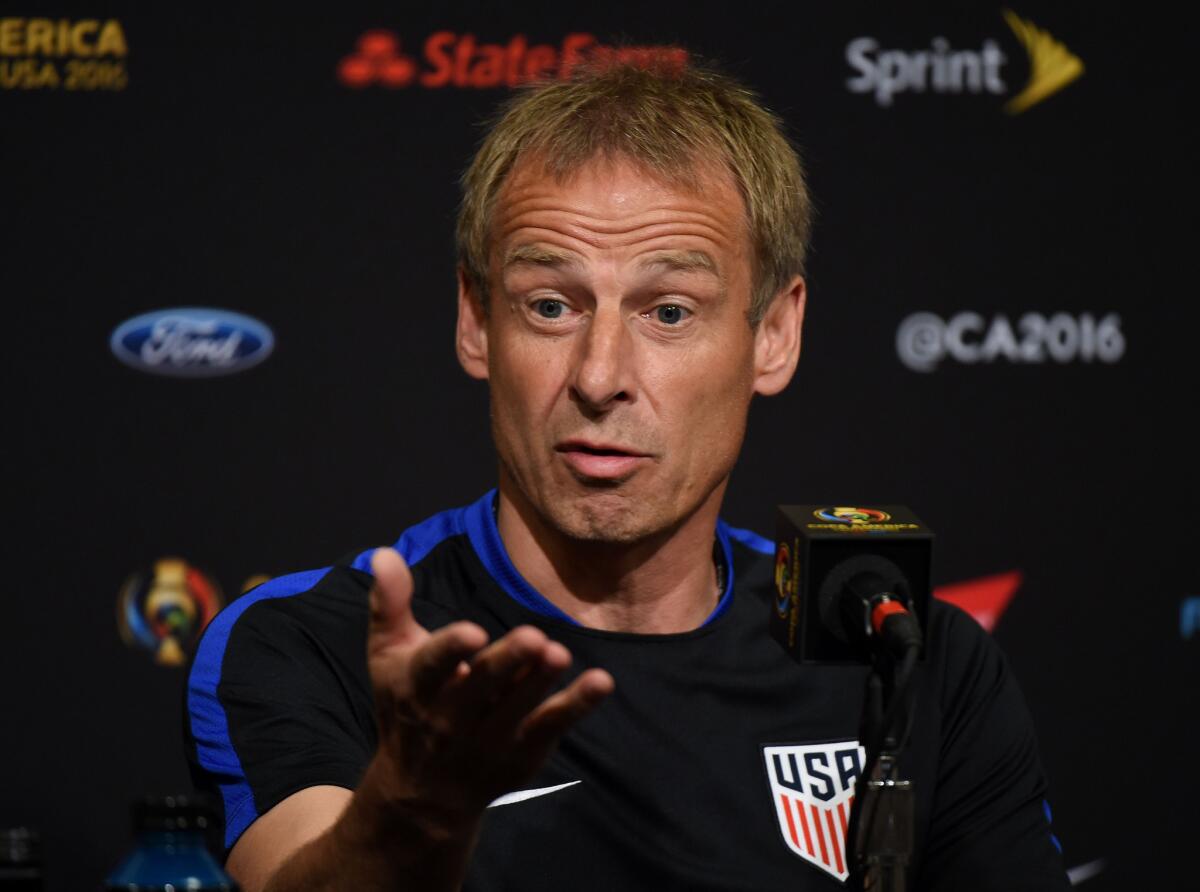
point(864, 600)
point(850, 582)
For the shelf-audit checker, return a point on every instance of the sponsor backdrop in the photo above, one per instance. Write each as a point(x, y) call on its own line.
point(228, 280)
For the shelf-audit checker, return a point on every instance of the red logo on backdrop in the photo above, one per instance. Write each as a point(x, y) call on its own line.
point(377, 60)
point(449, 59)
point(985, 599)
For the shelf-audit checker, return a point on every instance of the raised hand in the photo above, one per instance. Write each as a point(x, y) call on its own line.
point(462, 721)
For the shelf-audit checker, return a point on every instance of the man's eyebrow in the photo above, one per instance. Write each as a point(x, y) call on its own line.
point(683, 261)
point(537, 255)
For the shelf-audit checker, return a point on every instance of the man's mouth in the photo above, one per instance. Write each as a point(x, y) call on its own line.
point(595, 460)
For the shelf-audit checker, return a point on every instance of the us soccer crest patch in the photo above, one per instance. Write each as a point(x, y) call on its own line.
point(812, 786)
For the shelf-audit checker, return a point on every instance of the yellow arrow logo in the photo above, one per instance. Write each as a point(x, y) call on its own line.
point(1051, 65)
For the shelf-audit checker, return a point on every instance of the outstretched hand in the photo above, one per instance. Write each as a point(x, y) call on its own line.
point(462, 721)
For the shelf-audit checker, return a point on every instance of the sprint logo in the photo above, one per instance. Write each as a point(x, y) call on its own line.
point(943, 69)
point(1051, 65)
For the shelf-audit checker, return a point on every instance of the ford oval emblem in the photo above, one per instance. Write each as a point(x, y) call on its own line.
point(192, 342)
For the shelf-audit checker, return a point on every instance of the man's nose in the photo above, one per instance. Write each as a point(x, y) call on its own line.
point(604, 374)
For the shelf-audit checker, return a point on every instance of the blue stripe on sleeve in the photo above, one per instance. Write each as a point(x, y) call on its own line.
point(210, 725)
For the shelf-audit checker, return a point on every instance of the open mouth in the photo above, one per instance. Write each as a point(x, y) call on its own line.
point(594, 450)
point(600, 461)
point(589, 447)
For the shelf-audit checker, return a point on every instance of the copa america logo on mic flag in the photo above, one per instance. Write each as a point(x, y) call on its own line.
point(853, 516)
point(812, 786)
point(783, 579)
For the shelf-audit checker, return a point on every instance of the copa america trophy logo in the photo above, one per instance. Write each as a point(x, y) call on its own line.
point(165, 610)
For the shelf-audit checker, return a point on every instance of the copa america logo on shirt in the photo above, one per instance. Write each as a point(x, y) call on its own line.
point(812, 786)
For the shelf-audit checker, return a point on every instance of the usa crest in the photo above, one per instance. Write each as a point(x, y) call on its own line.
point(812, 786)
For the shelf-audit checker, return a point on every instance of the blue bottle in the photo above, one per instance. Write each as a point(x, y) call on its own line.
point(171, 854)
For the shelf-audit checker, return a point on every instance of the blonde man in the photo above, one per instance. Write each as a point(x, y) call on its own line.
point(631, 274)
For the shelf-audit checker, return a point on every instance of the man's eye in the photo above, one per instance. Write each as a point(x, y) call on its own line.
point(670, 314)
point(549, 309)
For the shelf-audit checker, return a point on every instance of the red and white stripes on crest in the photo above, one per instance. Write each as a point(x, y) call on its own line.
point(812, 786)
point(827, 826)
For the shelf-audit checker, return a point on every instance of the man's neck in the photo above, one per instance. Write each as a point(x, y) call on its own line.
point(663, 584)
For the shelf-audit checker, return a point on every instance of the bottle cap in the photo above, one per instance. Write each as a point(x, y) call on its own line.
point(180, 812)
point(20, 847)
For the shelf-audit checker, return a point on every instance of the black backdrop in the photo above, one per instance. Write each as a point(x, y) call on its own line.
point(218, 160)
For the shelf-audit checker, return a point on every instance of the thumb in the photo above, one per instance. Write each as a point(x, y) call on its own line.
point(391, 599)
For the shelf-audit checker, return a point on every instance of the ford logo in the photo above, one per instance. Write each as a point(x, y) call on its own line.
point(192, 342)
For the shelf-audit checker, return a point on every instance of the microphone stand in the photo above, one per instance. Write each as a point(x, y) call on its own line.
point(881, 818)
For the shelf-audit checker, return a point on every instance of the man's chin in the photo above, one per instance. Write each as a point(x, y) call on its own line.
point(610, 512)
point(605, 515)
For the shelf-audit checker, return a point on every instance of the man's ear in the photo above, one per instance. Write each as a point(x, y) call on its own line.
point(470, 336)
point(777, 339)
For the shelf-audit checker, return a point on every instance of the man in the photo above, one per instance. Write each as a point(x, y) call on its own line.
point(631, 250)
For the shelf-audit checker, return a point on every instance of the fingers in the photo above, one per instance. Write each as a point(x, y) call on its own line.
point(504, 685)
point(391, 599)
point(462, 718)
point(497, 668)
point(527, 692)
point(541, 730)
point(438, 660)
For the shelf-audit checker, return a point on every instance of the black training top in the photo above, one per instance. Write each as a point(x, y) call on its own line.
point(718, 763)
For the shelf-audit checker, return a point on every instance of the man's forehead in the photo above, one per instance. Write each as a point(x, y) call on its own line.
point(695, 175)
point(708, 180)
point(534, 253)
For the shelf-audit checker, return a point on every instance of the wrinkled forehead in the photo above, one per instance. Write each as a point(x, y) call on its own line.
point(698, 176)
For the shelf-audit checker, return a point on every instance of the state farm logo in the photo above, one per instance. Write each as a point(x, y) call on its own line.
point(924, 340)
point(377, 60)
point(62, 54)
point(941, 69)
point(448, 59)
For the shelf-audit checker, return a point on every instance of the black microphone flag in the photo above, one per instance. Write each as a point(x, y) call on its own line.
point(835, 566)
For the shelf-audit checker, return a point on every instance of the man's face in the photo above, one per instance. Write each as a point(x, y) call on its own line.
point(616, 345)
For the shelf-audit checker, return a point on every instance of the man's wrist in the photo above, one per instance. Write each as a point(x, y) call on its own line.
point(384, 812)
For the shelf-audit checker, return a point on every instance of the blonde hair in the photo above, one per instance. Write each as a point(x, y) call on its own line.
point(666, 117)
